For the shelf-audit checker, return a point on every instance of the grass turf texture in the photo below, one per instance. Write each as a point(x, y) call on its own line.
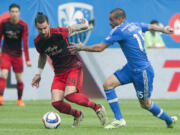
point(27, 120)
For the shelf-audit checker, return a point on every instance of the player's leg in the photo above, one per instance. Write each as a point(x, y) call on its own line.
point(111, 96)
point(57, 97)
point(3, 77)
point(112, 99)
point(158, 112)
point(144, 86)
point(17, 64)
point(5, 65)
point(72, 94)
point(120, 77)
point(58, 103)
point(20, 89)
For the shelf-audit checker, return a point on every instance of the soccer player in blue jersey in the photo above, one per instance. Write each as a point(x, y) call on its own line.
point(138, 69)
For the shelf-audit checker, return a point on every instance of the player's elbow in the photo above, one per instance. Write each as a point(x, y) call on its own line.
point(152, 27)
point(99, 48)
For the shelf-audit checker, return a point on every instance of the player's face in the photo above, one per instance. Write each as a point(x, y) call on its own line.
point(14, 14)
point(113, 21)
point(43, 29)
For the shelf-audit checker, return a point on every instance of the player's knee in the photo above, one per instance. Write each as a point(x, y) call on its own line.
point(108, 85)
point(4, 75)
point(19, 78)
point(56, 99)
point(70, 97)
point(145, 105)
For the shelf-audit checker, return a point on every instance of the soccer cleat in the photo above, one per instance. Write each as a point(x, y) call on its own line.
point(116, 124)
point(1, 100)
point(77, 120)
point(174, 120)
point(101, 113)
point(20, 102)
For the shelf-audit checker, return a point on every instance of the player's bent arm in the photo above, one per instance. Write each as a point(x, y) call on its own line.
point(94, 48)
point(41, 62)
point(79, 27)
point(167, 29)
point(25, 44)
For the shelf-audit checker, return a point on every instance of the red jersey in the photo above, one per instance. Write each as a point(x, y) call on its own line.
point(13, 36)
point(56, 48)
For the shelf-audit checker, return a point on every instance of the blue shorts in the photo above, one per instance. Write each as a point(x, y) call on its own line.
point(142, 80)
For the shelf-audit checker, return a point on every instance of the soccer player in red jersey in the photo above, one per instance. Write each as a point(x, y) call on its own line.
point(68, 79)
point(14, 31)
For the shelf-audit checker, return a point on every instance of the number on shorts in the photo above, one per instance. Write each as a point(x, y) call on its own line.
point(140, 94)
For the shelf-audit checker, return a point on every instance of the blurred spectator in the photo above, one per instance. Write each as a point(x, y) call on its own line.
point(153, 39)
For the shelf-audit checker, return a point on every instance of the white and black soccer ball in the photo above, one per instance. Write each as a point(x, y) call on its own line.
point(51, 120)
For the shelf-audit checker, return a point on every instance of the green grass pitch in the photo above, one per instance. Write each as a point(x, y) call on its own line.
point(27, 120)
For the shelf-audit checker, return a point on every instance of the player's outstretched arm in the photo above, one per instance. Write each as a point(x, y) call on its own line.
point(167, 29)
point(41, 64)
point(94, 48)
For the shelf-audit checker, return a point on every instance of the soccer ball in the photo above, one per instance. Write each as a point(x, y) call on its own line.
point(51, 120)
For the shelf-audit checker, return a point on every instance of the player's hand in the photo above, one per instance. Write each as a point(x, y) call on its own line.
point(168, 30)
point(76, 46)
point(36, 80)
point(84, 21)
point(28, 63)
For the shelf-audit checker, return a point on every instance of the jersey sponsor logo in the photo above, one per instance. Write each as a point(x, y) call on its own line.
point(175, 24)
point(51, 51)
point(11, 34)
point(70, 13)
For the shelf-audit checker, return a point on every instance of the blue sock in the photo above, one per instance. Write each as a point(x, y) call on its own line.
point(113, 102)
point(158, 112)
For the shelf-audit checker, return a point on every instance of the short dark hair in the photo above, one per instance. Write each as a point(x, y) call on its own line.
point(118, 13)
point(154, 22)
point(41, 18)
point(14, 5)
